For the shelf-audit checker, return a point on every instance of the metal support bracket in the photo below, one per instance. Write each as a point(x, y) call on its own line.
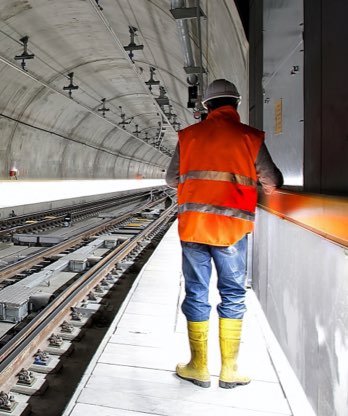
point(194, 70)
point(186, 13)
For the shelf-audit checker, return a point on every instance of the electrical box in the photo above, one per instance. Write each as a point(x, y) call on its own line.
point(192, 96)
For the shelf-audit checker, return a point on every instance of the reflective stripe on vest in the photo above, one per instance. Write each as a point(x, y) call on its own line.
point(215, 209)
point(217, 176)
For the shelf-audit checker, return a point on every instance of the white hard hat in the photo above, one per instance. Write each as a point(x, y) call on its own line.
point(221, 88)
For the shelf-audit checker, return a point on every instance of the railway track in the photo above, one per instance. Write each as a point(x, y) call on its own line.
point(144, 198)
point(128, 236)
point(55, 217)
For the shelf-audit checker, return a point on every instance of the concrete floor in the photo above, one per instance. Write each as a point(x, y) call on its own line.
point(133, 371)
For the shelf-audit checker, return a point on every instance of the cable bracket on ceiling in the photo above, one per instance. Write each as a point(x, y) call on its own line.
point(25, 55)
point(152, 81)
point(98, 5)
point(162, 100)
point(103, 109)
point(125, 120)
point(71, 87)
point(136, 131)
point(132, 46)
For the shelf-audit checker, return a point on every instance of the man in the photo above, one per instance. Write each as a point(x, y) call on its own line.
point(215, 167)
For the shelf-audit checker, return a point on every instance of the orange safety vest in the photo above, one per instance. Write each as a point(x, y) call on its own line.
point(217, 185)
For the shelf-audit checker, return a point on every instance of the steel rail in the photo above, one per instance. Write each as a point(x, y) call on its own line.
point(60, 218)
point(21, 347)
point(24, 264)
point(66, 209)
point(84, 209)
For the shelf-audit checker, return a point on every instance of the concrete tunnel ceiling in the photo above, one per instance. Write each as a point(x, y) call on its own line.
point(45, 134)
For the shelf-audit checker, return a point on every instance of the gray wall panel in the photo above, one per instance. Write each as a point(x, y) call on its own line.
point(302, 282)
point(256, 64)
point(282, 51)
point(335, 97)
point(312, 98)
point(326, 96)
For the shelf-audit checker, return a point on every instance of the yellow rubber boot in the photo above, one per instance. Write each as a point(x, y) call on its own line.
point(196, 370)
point(230, 333)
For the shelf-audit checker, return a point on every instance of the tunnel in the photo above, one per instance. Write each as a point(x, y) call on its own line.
point(95, 91)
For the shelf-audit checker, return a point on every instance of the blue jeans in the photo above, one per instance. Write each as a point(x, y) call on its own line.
point(230, 264)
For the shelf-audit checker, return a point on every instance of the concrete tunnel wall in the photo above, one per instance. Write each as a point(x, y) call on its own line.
point(83, 146)
point(47, 135)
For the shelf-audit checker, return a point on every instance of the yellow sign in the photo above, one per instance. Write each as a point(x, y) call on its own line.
point(278, 117)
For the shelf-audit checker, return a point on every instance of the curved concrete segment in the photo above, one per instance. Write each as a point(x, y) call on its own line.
point(46, 134)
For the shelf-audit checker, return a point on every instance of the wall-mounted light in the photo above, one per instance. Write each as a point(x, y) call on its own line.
point(13, 173)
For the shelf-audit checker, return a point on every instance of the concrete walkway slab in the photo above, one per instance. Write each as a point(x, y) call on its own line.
point(133, 372)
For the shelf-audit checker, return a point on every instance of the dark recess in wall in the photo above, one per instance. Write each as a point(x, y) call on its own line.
point(243, 10)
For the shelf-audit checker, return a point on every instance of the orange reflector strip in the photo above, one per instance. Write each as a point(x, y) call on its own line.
point(325, 215)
